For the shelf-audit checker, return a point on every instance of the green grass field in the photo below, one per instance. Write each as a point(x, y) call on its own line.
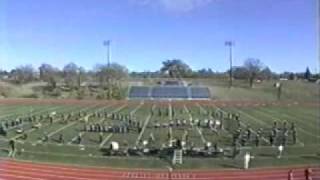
point(91, 150)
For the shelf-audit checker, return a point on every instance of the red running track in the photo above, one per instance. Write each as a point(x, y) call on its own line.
point(17, 170)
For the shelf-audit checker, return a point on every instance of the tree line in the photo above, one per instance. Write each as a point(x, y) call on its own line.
point(106, 75)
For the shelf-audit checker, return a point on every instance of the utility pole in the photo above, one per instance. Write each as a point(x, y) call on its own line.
point(108, 44)
point(230, 44)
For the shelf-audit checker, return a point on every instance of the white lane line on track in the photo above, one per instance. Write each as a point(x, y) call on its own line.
point(36, 173)
point(9, 176)
point(192, 176)
point(72, 175)
point(59, 169)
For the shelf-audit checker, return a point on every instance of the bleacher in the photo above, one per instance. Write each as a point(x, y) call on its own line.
point(139, 92)
point(169, 92)
point(199, 92)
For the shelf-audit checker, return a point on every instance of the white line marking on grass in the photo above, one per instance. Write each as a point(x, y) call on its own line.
point(170, 111)
point(115, 111)
point(60, 129)
point(290, 117)
point(244, 125)
point(68, 125)
point(39, 112)
point(251, 117)
point(137, 108)
point(72, 140)
point(228, 133)
point(197, 128)
point(190, 116)
point(279, 120)
point(170, 132)
point(33, 129)
point(105, 140)
point(146, 122)
point(201, 108)
point(99, 109)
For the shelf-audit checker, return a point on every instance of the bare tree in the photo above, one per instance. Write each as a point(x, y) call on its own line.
point(23, 74)
point(110, 74)
point(49, 74)
point(110, 77)
point(70, 75)
point(253, 67)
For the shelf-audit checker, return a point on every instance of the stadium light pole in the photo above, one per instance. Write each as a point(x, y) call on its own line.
point(318, 34)
point(108, 44)
point(230, 44)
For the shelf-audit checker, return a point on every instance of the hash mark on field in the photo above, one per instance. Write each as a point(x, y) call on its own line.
point(105, 140)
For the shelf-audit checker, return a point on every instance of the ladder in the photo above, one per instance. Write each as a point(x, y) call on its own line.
point(177, 157)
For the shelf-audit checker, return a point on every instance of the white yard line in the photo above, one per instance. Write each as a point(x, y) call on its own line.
point(244, 125)
point(33, 129)
point(146, 122)
point(72, 140)
point(290, 117)
point(105, 140)
point(190, 116)
point(171, 133)
point(100, 109)
point(60, 129)
point(201, 108)
point(137, 108)
point(114, 111)
point(69, 125)
point(279, 120)
point(102, 119)
point(170, 111)
point(36, 112)
point(197, 128)
point(253, 118)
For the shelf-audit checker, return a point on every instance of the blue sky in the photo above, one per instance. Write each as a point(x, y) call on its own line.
point(281, 33)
